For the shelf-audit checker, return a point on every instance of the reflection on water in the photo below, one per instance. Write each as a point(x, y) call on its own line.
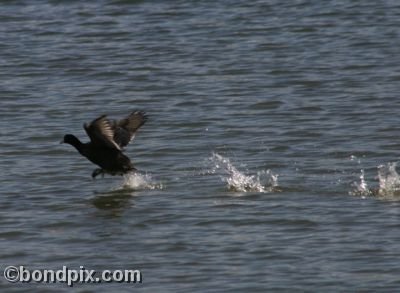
point(122, 195)
point(114, 201)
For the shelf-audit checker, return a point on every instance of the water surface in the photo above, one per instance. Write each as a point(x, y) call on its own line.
point(268, 161)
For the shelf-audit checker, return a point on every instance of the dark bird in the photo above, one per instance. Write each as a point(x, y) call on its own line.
point(107, 140)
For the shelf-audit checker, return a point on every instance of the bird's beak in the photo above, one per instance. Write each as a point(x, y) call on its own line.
point(61, 141)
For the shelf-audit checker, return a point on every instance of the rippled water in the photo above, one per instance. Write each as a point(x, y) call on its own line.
point(268, 163)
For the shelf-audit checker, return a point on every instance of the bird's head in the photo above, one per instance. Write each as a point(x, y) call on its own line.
point(71, 139)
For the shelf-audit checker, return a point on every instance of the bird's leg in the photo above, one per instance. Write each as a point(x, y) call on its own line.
point(97, 172)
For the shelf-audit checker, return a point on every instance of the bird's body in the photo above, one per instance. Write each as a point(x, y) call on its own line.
point(107, 138)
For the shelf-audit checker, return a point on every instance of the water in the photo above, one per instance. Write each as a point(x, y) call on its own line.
point(235, 180)
point(268, 163)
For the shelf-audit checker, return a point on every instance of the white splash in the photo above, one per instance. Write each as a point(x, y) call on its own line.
point(389, 180)
point(263, 181)
point(139, 181)
point(361, 188)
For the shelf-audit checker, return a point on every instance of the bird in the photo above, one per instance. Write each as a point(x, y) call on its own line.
point(108, 138)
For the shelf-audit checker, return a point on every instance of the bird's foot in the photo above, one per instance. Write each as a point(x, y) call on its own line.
point(96, 172)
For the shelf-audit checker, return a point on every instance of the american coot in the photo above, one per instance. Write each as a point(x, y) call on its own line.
point(107, 140)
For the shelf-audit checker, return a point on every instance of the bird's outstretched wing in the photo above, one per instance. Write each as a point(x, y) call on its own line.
point(125, 129)
point(101, 133)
